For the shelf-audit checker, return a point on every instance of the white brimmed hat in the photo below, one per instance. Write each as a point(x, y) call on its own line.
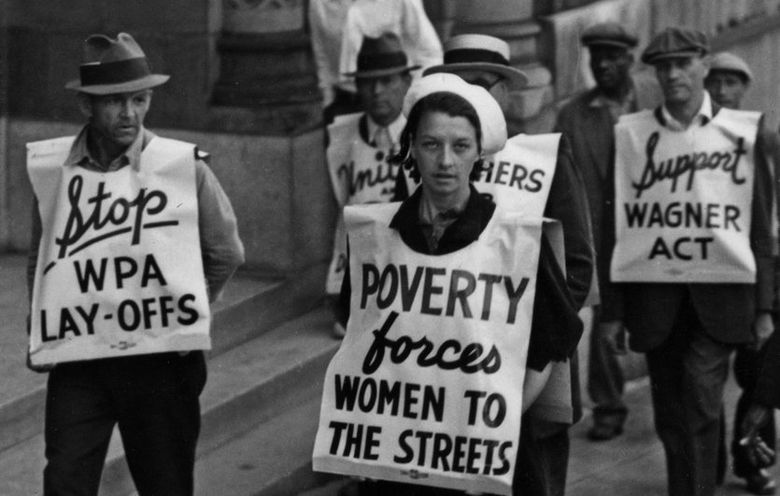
point(491, 118)
point(479, 52)
point(728, 62)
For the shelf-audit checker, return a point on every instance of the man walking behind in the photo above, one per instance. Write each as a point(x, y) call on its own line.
point(691, 266)
point(133, 237)
point(588, 121)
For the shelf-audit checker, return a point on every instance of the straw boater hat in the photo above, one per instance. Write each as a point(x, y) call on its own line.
point(381, 56)
point(491, 118)
point(728, 62)
point(479, 52)
point(114, 66)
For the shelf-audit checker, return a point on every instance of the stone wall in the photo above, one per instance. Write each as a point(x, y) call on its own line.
point(45, 38)
point(277, 185)
point(277, 182)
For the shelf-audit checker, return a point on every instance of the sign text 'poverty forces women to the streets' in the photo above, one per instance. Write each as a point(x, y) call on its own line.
point(427, 384)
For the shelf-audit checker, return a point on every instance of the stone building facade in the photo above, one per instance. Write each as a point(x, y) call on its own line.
point(243, 87)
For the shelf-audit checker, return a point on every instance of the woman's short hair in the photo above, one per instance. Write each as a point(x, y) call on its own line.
point(446, 103)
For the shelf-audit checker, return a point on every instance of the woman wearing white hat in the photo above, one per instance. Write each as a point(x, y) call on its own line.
point(451, 125)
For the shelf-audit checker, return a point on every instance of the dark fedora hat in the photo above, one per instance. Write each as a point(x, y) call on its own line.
point(114, 66)
point(381, 56)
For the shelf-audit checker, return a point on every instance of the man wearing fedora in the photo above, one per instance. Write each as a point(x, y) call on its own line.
point(687, 307)
point(146, 374)
point(559, 194)
point(360, 145)
point(587, 121)
point(727, 82)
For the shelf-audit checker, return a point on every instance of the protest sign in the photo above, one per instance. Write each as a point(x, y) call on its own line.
point(359, 173)
point(427, 385)
point(683, 200)
point(519, 177)
point(119, 269)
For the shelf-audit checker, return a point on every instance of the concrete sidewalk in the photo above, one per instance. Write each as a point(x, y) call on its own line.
point(634, 463)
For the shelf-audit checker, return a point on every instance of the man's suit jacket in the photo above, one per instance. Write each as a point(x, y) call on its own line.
point(726, 311)
point(589, 130)
point(767, 391)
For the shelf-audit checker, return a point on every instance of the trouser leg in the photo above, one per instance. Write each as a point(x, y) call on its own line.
point(79, 421)
point(688, 373)
point(605, 380)
point(664, 368)
point(705, 372)
point(542, 459)
point(159, 419)
point(747, 366)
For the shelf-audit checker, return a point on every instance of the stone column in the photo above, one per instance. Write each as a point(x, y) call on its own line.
point(262, 16)
point(513, 21)
point(267, 77)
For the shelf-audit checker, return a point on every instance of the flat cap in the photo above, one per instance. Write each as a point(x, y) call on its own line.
point(728, 62)
point(674, 43)
point(610, 34)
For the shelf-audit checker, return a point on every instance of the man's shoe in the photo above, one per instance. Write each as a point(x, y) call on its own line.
point(604, 432)
point(759, 482)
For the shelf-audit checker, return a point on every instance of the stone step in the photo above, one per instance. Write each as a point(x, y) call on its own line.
point(271, 377)
point(263, 462)
point(261, 383)
point(249, 307)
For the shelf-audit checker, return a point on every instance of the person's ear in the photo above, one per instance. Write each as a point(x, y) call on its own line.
point(85, 104)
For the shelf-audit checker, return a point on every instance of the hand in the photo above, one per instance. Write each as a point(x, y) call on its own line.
point(614, 334)
point(41, 369)
point(763, 328)
point(759, 454)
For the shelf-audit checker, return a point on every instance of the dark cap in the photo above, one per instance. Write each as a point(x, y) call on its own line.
point(381, 56)
point(675, 43)
point(610, 34)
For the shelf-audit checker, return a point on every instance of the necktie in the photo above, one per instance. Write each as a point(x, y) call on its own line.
point(382, 139)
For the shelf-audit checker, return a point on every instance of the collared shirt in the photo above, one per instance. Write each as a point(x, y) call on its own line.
point(616, 108)
point(703, 116)
point(394, 128)
point(434, 222)
point(221, 248)
point(405, 18)
point(326, 23)
point(80, 154)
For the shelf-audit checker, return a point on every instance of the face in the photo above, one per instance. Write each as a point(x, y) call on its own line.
point(726, 87)
point(117, 118)
point(682, 78)
point(494, 83)
point(610, 66)
point(383, 97)
point(445, 149)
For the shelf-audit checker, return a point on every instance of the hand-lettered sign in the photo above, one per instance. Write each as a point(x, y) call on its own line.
point(427, 385)
point(119, 269)
point(683, 200)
